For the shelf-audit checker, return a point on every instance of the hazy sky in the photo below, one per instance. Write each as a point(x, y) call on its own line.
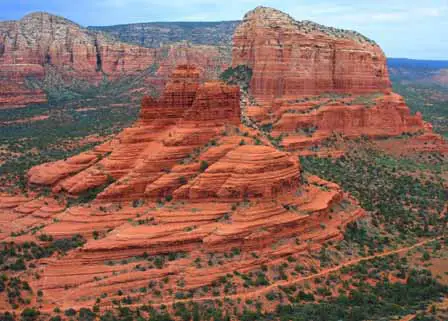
point(404, 28)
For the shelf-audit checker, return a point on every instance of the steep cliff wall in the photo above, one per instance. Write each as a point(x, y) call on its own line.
point(291, 58)
point(41, 39)
point(311, 82)
point(13, 88)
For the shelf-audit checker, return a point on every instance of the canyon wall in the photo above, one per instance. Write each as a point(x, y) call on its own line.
point(311, 82)
point(291, 58)
point(14, 90)
point(41, 39)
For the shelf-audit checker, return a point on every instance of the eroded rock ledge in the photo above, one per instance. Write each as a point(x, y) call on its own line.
point(291, 58)
point(187, 178)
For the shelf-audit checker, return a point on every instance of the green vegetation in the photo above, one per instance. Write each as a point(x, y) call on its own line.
point(75, 110)
point(240, 75)
point(366, 100)
point(429, 99)
point(14, 256)
point(379, 302)
point(204, 165)
point(357, 299)
point(402, 204)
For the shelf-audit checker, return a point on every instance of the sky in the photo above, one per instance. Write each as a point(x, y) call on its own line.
point(403, 28)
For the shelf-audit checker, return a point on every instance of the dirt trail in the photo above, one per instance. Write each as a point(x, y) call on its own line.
point(291, 282)
point(284, 283)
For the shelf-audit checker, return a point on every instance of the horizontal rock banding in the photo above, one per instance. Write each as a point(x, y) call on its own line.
point(186, 117)
point(40, 40)
point(291, 58)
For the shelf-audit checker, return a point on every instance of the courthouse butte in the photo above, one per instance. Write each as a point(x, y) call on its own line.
point(189, 197)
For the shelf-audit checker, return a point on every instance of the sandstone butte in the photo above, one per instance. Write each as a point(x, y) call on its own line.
point(187, 177)
point(188, 194)
point(40, 40)
point(311, 81)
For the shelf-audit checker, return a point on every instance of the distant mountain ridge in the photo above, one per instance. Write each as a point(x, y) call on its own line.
point(216, 33)
point(416, 70)
point(417, 63)
point(155, 34)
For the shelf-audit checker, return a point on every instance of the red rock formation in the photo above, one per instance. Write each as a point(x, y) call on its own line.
point(187, 116)
point(311, 122)
point(41, 39)
point(314, 82)
point(289, 222)
point(291, 58)
point(205, 184)
point(13, 89)
point(243, 173)
point(428, 142)
point(210, 60)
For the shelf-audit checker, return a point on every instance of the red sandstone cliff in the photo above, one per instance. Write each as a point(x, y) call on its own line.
point(314, 81)
point(204, 182)
point(187, 116)
point(41, 39)
point(13, 88)
point(291, 58)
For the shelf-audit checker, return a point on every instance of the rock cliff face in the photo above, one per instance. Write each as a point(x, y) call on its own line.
point(291, 58)
point(197, 181)
point(313, 121)
point(41, 39)
point(187, 116)
point(13, 88)
point(312, 82)
point(157, 34)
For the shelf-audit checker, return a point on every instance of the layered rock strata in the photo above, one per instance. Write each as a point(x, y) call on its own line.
point(187, 117)
point(312, 83)
point(13, 87)
point(41, 39)
point(291, 58)
point(188, 183)
point(309, 122)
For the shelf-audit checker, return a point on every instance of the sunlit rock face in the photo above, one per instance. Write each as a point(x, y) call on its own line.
point(40, 40)
point(187, 116)
point(291, 58)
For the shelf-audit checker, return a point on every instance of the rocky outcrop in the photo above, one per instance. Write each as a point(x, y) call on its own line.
point(188, 183)
point(291, 58)
point(13, 88)
point(204, 239)
point(314, 120)
point(243, 172)
point(41, 39)
point(187, 117)
point(312, 83)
